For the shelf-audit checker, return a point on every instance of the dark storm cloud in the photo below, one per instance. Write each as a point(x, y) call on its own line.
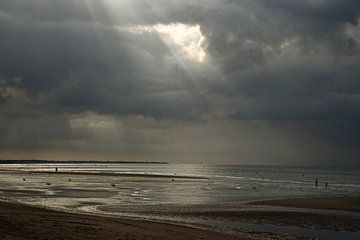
point(328, 12)
point(311, 94)
point(54, 11)
point(241, 32)
point(291, 64)
point(89, 66)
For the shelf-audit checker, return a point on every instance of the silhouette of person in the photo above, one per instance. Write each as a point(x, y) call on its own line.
point(316, 182)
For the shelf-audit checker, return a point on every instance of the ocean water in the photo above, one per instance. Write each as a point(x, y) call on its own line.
point(171, 183)
point(133, 189)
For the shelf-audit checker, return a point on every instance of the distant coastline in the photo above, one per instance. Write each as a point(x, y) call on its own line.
point(33, 161)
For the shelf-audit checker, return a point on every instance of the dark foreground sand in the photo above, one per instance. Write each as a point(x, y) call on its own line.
point(24, 222)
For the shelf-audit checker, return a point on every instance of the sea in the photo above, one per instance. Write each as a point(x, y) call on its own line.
point(128, 189)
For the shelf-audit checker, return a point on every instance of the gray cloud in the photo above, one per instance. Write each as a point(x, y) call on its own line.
point(291, 65)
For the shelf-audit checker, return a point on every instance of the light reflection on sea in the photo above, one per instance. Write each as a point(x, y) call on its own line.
point(221, 184)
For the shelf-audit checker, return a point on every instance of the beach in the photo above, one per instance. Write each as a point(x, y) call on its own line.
point(326, 203)
point(184, 201)
point(20, 221)
point(179, 119)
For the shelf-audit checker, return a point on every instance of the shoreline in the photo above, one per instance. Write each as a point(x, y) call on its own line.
point(23, 221)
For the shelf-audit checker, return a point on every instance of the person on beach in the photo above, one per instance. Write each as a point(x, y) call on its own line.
point(316, 182)
point(56, 170)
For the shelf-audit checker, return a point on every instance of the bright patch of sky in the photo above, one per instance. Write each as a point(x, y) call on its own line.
point(183, 39)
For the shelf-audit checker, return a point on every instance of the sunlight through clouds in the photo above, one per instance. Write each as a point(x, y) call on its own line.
point(187, 40)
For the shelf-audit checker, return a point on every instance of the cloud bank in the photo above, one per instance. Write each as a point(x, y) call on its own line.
point(206, 81)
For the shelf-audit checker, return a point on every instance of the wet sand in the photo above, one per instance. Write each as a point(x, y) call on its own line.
point(104, 174)
point(306, 220)
point(20, 222)
point(285, 212)
point(327, 203)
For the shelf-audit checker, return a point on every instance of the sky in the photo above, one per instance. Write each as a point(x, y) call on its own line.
point(182, 81)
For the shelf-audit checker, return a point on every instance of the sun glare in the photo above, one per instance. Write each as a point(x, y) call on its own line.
point(188, 39)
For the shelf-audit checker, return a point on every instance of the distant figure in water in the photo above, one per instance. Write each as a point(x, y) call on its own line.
point(24, 179)
point(326, 184)
point(69, 179)
point(56, 169)
point(316, 182)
